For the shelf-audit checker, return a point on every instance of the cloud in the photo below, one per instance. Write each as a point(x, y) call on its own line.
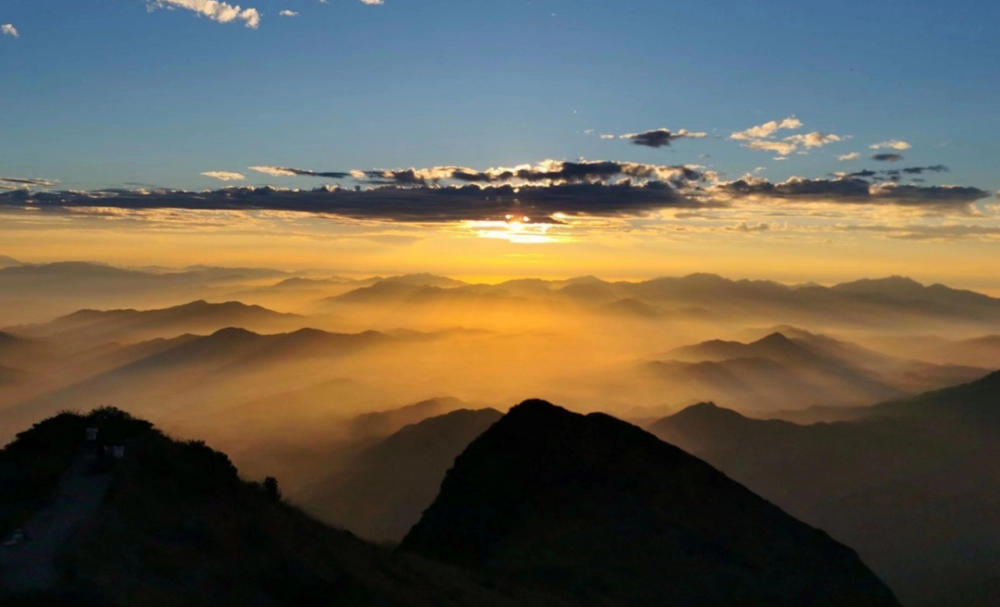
point(224, 175)
point(16, 183)
point(895, 174)
point(894, 144)
point(887, 157)
point(762, 138)
point(550, 172)
point(813, 140)
point(930, 232)
point(372, 2)
point(607, 136)
point(9, 30)
point(781, 147)
point(287, 172)
point(767, 129)
point(424, 204)
point(549, 192)
point(849, 157)
point(214, 10)
point(659, 138)
point(854, 190)
point(288, 13)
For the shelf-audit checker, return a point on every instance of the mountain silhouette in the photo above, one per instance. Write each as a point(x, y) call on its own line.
point(977, 402)
point(914, 476)
point(172, 523)
point(95, 326)
point(597, 509)
point(382, 493)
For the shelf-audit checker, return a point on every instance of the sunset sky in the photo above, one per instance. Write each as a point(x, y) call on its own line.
point(766, 139)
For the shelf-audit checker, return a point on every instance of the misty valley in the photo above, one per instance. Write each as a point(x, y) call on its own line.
point(697, 439)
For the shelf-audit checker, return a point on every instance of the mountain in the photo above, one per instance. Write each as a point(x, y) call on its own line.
point(382, 493)
point(426, 280)
point(772, 373)
point(383, 423)
point(19, 351)
point(172, 523)
point(902, 289)
point(914, 476)
point(975, 403)
point(6, 262)
point(852, 373)
point(95, 326)
point(775, 346)
point(983, 351)
point(606, 513)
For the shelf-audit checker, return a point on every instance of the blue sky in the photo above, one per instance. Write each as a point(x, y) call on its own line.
point(104, 93)
point(774, 113)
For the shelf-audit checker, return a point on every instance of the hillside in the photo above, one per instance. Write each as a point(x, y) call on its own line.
point(382, 493)
point(173, 524)
point(598, 509)
point(95, 326)
point(915, 476)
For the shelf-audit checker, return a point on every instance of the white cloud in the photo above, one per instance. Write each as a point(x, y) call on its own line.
point(813, 140)
point(894, 144)
point(762, 137)
point(273, 171)
point(607, 136)
point(9, 30)
point(214, 10)
point(372, 2)
point(767, 129)
point(224, 175)
point(288, 13)
point(849, 157)
point(781, 147)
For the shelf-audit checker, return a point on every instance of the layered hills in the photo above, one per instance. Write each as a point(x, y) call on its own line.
point(911, 485)
point(383, 491)
point(173, 523)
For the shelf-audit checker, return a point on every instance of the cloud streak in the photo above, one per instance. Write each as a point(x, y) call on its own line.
point(290, 172)
point(224, 175)
point(855, 191)
point(220, 12)
point(894, 144)
point(767, 129)
point(659, 138)
point(425, 204)
point(887, 157)
point(9, 30)
point(12, 183)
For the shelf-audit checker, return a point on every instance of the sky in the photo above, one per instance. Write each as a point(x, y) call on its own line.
point(768, 139)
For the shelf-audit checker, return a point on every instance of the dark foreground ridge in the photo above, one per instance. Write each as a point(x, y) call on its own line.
point(173, 524)
point(596, 510)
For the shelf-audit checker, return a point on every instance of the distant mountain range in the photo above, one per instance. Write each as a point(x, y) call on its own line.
point(916, 476)
point(808, 370)
point(96, 326)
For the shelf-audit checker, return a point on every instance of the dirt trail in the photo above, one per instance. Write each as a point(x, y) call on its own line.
point(30, 565)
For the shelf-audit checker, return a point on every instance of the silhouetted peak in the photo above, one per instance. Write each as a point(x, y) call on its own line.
point(536, 409)
point(705, 412)
point(888, 285)
point(705, 279)
point(555, 498)
point(234, 333)
point(776, 339)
